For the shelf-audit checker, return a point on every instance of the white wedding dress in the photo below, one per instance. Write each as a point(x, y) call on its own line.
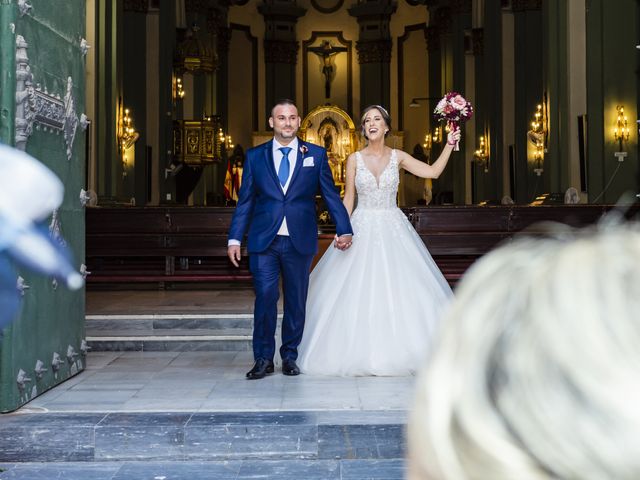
point(374, 308)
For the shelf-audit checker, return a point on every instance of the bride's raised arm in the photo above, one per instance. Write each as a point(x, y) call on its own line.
point(424, 170)
point(350, 184)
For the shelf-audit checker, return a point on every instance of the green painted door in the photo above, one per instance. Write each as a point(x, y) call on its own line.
point(42, 96)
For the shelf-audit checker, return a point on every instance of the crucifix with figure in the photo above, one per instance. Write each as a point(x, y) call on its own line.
point(325, 52)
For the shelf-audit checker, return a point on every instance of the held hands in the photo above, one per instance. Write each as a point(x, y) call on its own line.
point(342, 242)
point(233, 252)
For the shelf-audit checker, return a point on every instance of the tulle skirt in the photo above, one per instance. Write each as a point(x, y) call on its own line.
point(373, 309)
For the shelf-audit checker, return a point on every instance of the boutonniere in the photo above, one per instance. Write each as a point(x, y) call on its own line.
point(303, 149)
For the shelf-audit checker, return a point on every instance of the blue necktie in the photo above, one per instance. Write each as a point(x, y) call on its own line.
point(283, 171)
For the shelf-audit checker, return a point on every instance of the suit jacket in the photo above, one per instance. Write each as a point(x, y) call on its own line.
point(262, 204)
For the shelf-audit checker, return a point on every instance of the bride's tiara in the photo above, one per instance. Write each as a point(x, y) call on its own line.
point(382, 109)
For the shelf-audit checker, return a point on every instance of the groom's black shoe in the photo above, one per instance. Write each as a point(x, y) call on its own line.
point(260, 369)
point(290, 368)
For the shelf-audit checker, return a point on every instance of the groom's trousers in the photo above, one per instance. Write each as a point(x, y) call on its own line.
point(280, 260)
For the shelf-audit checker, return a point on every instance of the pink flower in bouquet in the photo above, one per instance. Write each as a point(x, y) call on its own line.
point(458, 102)
point(453, 109)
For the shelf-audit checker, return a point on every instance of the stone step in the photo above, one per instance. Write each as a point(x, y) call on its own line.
point(201, 436)
point(359, 469)
point(169, 332)
point(163, 322)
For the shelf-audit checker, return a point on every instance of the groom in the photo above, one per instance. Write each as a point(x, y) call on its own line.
point(276, 204)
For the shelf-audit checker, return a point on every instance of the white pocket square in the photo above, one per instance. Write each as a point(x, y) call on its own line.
point(307, 162)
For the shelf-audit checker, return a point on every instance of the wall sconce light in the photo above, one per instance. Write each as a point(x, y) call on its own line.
point(432, 138)
point(225, 140)
point(537, 137)
point(126, 133)
point(178, 88)
point(436, 136)
point(427, 141)
point(621, 129)
point(481, 155)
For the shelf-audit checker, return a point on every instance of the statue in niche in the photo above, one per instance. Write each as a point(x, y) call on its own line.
point(326, 51)
point(329, 134)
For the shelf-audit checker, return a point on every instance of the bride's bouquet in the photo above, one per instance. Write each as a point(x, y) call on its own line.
point(453, 109)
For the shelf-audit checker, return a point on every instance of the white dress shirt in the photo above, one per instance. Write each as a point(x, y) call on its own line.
point(277, 160)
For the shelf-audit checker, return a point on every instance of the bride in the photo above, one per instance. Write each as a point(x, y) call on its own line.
point(373, 309)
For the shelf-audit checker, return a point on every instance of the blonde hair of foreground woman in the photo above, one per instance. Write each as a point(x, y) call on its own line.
point(537, 371)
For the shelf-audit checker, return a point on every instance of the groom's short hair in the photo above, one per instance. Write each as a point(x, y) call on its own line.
point(282, 101)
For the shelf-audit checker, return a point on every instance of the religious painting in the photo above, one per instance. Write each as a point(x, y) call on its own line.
point(327, 58)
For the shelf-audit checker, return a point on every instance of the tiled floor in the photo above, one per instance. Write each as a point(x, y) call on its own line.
point(211, 419)
point(213, 381)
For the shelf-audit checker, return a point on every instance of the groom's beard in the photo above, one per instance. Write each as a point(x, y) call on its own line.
point(288, 133)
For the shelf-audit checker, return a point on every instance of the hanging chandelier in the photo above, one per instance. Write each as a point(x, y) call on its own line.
point(193, 55)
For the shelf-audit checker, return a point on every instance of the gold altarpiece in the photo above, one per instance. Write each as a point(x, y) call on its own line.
point(332, 128)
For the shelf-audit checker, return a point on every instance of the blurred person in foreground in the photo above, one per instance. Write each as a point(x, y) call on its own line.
point(29, 192)
point(536, 374)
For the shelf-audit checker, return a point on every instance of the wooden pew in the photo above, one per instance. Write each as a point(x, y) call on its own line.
point(457, 236)
point(189, 244)
point(160, 244)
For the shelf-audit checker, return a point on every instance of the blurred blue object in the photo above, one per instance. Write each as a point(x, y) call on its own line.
point(9, 294)
point(29, 192)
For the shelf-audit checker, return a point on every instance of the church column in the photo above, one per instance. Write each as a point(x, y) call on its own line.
point(489, 108)
point(166, 48)
point(460, 24)
point(529, 92)
point(575, 74)
point(134, 86)
point(217, 24)
point(441, 81)
point(508, 105)
point(280, 49)
point(555, 44)
point(374, 50)
point(436, 90)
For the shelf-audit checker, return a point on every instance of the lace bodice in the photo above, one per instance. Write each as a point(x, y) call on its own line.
point(379, 193)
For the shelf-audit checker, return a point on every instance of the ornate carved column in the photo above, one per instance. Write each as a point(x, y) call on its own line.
point(218, 28)
point(374, 50)
point(280, 49)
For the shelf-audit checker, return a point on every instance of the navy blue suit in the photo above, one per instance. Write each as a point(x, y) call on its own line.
point(262, 206)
